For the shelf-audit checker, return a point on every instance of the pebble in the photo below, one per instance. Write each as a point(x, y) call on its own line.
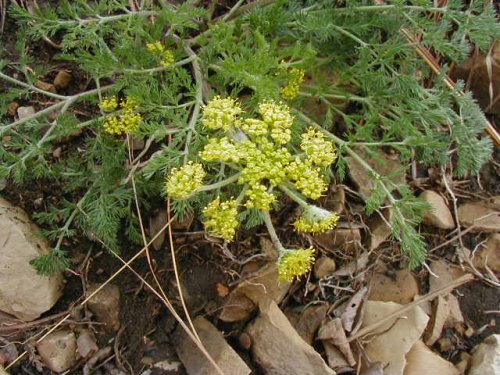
point(439, 215)
point(58, 350)
point(106, 305)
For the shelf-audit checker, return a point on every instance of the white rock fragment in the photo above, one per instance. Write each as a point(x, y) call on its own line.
point(58, 350)
point(486, 357)
point(440, 215)
point(23, 293)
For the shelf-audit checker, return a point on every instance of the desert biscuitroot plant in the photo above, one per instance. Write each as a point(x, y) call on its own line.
point(232, 106)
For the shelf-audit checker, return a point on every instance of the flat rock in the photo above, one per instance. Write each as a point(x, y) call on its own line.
point(380, 231)
point(58, 350)
point(486, 357)
point(324, 266)
point(23, 293)
point(196, 363)
point(278, 348)
point(106, 305)
point(307, 321)
point(489, 255)
point(401, 287)
point(23, 112)
point(442, 273)
point(62, 79)
point(244, 299)
point(440, 215)
point(380, 162)
point(421, 360)
point(393, 340)
point(482, 215)
point(340, 238)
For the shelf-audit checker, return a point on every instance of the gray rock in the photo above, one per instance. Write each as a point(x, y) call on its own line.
point(324, 266)
point(106, 305)
point(440, 215)
point(23, 112)
point(278, 348)
point(486, 357)
point(58, 350)
point(23, 293)
point(196, 363)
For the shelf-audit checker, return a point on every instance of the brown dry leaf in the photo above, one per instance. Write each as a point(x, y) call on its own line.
point(334, 333)
point(439, 318)
point(482, 215)
point(421, 360)
point(374, 369)
point(351, 311)
point(395, 338)
point(352, 267)
point(336, 360)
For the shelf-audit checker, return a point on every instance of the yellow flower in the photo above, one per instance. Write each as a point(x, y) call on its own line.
point(109, 104)
point(317, 148)
point(259, 197)
point(316, 220)
point(278, 119)
point(221, 150)
point(166, 56)
point(221, 113)
point(291, 90)
point(222, 218)
point(307, 178)
point(127, 121)
point(184, 181)
point(254, 128)
point(294, 263)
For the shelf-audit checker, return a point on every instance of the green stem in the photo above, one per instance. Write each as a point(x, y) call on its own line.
point(295, 196)
point(272, 232)
point(182, 62)
point(31, 87)
point(380, 8)
point(219, 184)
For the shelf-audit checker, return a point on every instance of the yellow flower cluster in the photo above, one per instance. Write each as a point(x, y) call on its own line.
point(222, 150)
point(184, 181)
point(278, 119)
point(109, 104)
point(222, 218)
point(127, 121)
point(166, 56)
point(295, 263)
point(221, 113)
point(259, 197)
point(307, 178)
point(317, 148)
point(316, 220)
point(291, 90)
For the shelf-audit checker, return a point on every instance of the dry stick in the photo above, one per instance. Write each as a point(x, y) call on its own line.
point(143, 234)
point(58, 324)
point(429, 296)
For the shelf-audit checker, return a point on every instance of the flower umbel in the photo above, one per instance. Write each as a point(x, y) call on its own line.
point(317, 148)
point(109, 104)
point(294, 263)
point(222, 218)
point(184, 181)
point(259, 197)
point(291, 90)
point(221, 113)
point(127, 121)
point(315, 219)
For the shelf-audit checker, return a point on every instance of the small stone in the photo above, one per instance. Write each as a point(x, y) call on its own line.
point(440, 215)
point(215, 344)
point(58, 350)
point(245, 341)
point(62, 79)
point(23, 112)
point(46, 86)
point(138, 143)
point(481, 215)
point(12, 108)
point(23, 293)
point(307, 321)
point(57, 152)
point(344, 239)
point(489, 255)
point(379, 230)
point(278, 348)
point(400, 286)
point(106, 305)
point(156, 223)
point(86, 343)
point(324, 266)
point(486, 357)
point(442, 273)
